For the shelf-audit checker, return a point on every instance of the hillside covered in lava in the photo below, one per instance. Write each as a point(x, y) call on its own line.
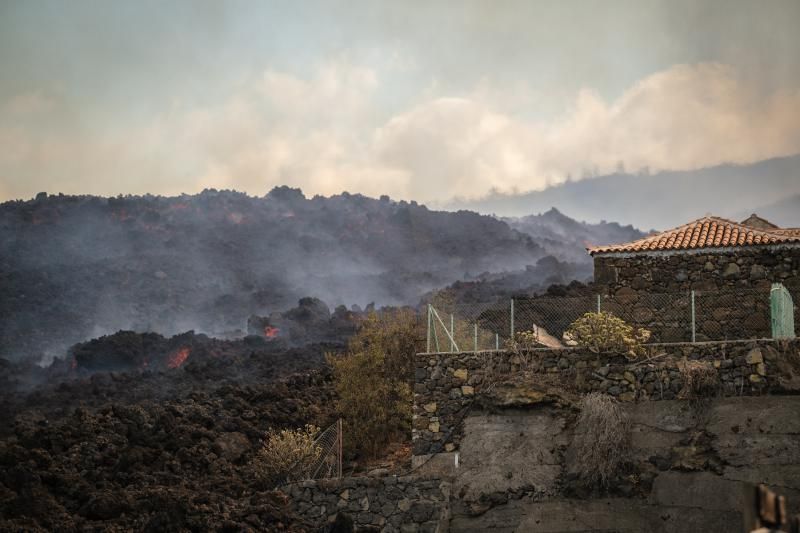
point(78, 267)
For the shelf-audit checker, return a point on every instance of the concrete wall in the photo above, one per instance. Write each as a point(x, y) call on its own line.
point(689, 467)
point(388, 504)
point(448, 385)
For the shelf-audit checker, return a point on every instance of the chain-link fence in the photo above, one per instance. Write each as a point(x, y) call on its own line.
point(691, 316)
point(328, 460)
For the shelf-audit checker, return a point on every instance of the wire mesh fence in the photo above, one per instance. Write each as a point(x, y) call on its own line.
point(690, 316)
point(327, 461)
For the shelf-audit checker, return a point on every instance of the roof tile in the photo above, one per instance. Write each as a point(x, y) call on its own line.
point(707, 232)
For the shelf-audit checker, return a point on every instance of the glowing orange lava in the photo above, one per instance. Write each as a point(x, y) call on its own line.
point(177, 359)
point(271, 332)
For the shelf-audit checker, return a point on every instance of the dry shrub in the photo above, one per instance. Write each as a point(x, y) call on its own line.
point(604, 332)
point(287, 455)
point(523, 341)
point(700, 379)
point(601, 439)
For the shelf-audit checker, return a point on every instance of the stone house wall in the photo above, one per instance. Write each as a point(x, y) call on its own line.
point(732, 290)
point(388, 504)
point(703, 271)
point(447, 384)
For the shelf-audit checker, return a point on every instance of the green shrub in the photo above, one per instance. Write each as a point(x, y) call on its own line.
point(604, 332)
point(373, 381)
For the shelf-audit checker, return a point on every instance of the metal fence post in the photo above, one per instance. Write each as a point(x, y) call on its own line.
point(693, 319)
point(496, 341)
point(598, 304)
point(429, 327)
point(475, 336)
point(452, 334)
point(341, 439)
point(512, 318)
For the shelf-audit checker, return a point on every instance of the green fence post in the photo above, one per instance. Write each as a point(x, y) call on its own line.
point(512, 318)
point(694, 325)
point(598, 304)
point(475, 337)
point(496, 341)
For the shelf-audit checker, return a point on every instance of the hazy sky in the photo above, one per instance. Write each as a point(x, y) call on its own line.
point(416, 99)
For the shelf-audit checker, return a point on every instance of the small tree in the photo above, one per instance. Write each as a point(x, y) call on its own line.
point(604, 332)
point(287, 455)
point(373, 380)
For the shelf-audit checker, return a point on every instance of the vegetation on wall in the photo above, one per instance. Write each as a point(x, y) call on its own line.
point(700, 379)
point(603, 332)
point(601, 439)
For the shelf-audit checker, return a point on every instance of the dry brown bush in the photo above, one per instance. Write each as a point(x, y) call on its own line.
point(601, 439)
point(287, 454)
point(700, 379)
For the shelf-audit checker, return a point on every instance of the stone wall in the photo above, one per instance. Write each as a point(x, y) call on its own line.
point(681, 272)
point(731, 291)
point(387, 504)
point(447, 385)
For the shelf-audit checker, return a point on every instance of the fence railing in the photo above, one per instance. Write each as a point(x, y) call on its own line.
point(690, 316)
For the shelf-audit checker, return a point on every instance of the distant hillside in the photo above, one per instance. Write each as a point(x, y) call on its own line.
point(567, 238)
point(75, 267)
point(662, 200)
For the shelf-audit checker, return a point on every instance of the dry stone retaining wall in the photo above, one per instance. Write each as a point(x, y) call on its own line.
point(446, 384)
point(388, 504)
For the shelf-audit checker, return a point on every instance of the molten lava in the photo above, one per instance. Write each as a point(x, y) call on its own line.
point(270, 332)
point(177, 359)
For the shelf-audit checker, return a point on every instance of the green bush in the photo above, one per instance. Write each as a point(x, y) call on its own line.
point(373, 381)
point(604, 332)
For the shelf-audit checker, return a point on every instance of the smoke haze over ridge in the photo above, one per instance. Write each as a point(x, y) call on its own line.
point(336, 96)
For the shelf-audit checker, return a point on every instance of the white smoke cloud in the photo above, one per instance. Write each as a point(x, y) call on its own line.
point(321, 135)
point(330, 131)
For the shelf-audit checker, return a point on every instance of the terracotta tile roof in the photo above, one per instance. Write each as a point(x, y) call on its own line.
point(707, 232)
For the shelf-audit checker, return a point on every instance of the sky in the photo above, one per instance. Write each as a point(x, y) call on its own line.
point(420, 100)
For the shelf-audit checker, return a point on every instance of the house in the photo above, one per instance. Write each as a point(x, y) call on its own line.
point(710, 253)
point(709, 279)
